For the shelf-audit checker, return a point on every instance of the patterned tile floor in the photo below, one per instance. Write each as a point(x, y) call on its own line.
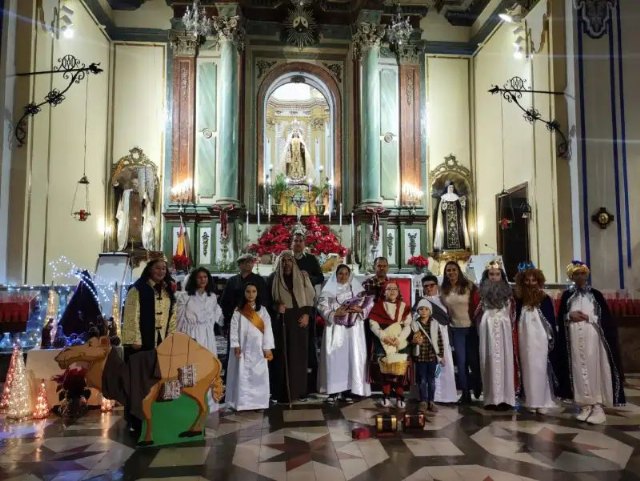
point(313, 441)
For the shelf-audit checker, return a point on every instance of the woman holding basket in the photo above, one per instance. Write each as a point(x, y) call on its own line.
point(390, 323)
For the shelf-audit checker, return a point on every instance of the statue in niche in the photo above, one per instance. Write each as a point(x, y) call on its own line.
point(136, 218)
point(451, 222)
point(295, 156)
point(135, 186)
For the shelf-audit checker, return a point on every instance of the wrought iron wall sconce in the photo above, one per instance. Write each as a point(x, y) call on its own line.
point(603, 218)
point(513, 91)
point(71, 69)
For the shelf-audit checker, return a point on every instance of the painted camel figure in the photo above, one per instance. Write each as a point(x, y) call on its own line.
point(176, 351)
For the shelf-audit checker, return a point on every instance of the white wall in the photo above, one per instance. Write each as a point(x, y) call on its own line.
point(139, 100)
point(503, 138)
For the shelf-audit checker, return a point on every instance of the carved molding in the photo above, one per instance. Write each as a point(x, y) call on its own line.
point(335, 69)
point(595, 15)
point(408, 54)
point(410, 87)
point(264, 66)
point(230, 29)
point(183, 44)
point(367, 36)
point(449, 166)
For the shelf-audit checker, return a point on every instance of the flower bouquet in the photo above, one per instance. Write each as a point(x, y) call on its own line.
point(419, 262)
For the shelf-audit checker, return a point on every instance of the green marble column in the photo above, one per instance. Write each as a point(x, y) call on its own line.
point(367, 49)
point(231, 38)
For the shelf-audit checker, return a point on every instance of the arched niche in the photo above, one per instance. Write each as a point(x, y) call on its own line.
point(321, 80)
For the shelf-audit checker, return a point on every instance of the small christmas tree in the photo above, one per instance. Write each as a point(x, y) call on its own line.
point(41, 411)
point(4, 402)
point(19, 404)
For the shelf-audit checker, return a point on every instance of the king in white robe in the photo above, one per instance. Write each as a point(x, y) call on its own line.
point(248, 376)
point(343, 356)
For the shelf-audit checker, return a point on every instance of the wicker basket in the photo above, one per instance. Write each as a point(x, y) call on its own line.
point(393, 368)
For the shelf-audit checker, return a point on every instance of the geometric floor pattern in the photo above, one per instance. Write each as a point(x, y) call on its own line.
point(312, 441)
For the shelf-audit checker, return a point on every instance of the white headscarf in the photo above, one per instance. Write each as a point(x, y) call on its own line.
point(332, 288)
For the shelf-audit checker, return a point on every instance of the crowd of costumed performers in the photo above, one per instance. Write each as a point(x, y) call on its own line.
point(509, 345)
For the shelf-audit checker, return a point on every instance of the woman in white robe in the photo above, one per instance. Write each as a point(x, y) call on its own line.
point(343, 356)
point(251, 342)
point(197, 311)
point(496, 326)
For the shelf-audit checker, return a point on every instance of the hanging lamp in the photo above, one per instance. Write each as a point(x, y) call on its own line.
point(80, 209)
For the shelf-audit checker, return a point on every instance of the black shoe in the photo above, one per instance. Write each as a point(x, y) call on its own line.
point(465, 398)
point(477, 393)
point(503, 407)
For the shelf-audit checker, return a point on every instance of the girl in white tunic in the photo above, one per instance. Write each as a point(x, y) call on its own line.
point(251, 341)
point(496, 329)
point(536, 339)
point(197, 311)
point(343, 357)
point(588, 335)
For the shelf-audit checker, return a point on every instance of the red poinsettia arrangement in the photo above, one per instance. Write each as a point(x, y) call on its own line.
point(418, 262)
point(181, 262)
point(319, 238)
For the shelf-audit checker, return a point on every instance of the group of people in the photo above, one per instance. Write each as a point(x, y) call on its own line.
point(488, 340)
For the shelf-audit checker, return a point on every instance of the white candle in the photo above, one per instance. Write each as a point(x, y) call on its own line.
point(353, 232)
point(340, 216)
point(269, 209)
point(247, 224)
point(258, 211)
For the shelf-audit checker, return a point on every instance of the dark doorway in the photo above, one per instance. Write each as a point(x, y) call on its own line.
point(513, 214)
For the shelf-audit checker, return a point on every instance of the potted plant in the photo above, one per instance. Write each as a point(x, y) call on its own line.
point(278, 189)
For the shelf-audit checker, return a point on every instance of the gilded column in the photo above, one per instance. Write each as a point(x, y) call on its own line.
point(367, 50)
point(410, 148)
point(185, 47)
point(231, 42)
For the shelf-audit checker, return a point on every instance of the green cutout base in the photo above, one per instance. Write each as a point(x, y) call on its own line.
point(170, 418)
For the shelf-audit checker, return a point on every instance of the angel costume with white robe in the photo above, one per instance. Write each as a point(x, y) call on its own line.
point(446, 382)
point(196, 316)
point(248, 376)
point(148, 221)
point(495, 330)
point(343, 356)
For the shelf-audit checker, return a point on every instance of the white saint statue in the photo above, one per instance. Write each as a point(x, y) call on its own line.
point(136, 219)
point(296, 157)
point(451, 222)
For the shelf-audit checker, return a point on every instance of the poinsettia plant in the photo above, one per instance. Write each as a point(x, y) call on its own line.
point(418, 262)
point(319, 238)
point(181, 262)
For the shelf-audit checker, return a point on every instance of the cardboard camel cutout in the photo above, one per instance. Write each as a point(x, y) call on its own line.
point(176, 351)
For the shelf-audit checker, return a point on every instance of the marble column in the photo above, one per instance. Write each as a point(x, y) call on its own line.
point(185, 48)
point(410, 148)
point(367, 50)
point(231, 42)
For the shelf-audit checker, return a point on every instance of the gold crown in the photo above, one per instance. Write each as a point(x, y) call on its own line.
point(494, 264)
point(577, 267)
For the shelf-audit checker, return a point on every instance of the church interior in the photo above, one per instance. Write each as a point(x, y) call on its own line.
point(422, 131)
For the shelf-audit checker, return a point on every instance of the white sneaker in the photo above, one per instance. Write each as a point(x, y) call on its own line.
point(585, 412)
point(597, 415)
point(385, 403)
point(400, 403)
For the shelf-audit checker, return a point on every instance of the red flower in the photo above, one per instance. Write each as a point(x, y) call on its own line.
point(418, 261)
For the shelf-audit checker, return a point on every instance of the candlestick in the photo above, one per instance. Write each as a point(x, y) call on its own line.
point(269, 209)
point(258, 211)
point(340, 216)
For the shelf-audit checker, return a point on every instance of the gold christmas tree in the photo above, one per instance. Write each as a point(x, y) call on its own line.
point(4, 402)
point(107, 405)
point(115, 309)
point(41, 411)
point(19, 404)
point(52, 304)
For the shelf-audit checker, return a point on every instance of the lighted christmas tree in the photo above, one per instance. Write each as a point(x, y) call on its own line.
point(19, 403)
point(4, 402)
point(41, 411)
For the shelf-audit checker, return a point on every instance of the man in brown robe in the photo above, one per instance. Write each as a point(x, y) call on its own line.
point(292, 303)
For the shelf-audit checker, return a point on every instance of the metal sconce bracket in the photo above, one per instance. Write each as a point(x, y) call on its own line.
point(512, 92)
point(71, 68)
